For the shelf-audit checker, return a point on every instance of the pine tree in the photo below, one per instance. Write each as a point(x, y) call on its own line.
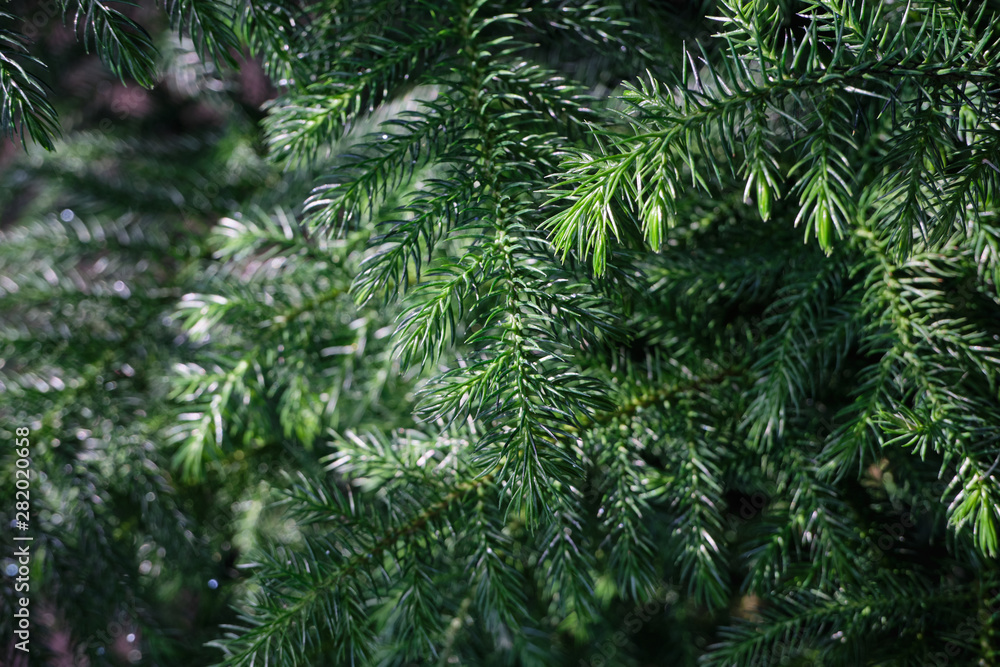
point(579, 390)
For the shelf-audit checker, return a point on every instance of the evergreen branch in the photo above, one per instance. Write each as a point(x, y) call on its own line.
point(627, 409)
point(814, 620)
point(210, 24)
point(24, 105)
point(622, 514)
point(300, 124)
point(268, 27)
point(565, 562)
point(787, 373)
point(698, 546)
point(263, 636)
point(912, 191)
point(122, 44)
point(421, 226)
point(826, 190)
point(645, 169)
point(363, 182)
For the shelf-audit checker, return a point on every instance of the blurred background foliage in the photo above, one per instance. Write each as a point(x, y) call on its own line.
point(138, 525)
point(101, 237)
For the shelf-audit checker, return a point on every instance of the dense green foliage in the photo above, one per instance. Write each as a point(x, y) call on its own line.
point(545, 375)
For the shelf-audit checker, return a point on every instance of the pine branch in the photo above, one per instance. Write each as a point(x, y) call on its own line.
point(24, 105)
point(210, 24)
point(124, 46)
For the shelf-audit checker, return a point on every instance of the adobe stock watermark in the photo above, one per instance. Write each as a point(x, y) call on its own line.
point(887, 537)
point(45, 12)
point(632, 623)
point(962, 637)
point(967, 632)
point(122, 626)
point(20, 569)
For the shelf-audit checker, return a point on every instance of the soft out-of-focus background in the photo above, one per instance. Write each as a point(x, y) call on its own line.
point(100, 239)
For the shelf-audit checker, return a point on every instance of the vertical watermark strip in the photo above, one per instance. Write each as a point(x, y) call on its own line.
point(21, 568)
